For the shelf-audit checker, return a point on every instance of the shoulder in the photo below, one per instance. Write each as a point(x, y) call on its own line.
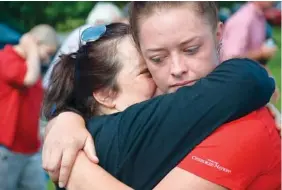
point(237, 152)
point(259, 122)
point(240, 19)
point(104, 130)
point(9, 55)
point(8, 52)
point(103, 124)
point(245, 135)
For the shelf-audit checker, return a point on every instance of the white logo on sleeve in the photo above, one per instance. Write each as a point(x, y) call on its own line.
point(211, 163)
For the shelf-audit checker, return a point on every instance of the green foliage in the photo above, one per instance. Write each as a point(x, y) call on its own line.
point(228, 4)
point(275, 63)
point(63, 15)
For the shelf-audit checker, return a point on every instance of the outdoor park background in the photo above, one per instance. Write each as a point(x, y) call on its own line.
point(66, 16)
point(275, 63)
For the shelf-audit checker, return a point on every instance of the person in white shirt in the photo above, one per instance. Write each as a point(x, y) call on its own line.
point(102, 13)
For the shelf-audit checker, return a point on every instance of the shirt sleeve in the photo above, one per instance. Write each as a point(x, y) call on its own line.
point(160, 132)
point(12, 70)
point(230, 157)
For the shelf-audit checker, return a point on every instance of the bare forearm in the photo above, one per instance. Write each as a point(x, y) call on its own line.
point(258, 55)
point(254, 55)
point(65, 116)
point(86, 175)
point(33, 67)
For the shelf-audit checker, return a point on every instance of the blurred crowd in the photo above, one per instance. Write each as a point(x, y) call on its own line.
point(247, 33)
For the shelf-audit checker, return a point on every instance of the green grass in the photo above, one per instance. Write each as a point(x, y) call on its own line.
point(275, 63)
point(50, 186)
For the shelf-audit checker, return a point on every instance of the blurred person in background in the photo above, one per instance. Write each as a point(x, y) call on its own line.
point(245, 35)
point(125, 10)
point(20, 104)
point(102, 13)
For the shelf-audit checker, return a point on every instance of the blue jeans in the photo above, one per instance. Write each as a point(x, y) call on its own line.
point(20, 171)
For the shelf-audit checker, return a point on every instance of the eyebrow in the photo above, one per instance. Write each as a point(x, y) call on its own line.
point(189, 40)
point(181, 44)
point(155, 49)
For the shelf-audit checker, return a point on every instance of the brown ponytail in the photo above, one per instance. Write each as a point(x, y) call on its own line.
point(62, 93)
point(77, 75)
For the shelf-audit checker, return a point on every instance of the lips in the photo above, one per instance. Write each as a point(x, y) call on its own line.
point(184, 83)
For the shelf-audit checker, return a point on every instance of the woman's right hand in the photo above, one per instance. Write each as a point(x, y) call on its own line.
point(65, 136)
point(276, 115)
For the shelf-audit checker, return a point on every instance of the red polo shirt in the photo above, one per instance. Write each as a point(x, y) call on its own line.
point(19, 105)
point(243, 154)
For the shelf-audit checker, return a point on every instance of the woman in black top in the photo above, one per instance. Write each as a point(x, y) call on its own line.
point(140, 144)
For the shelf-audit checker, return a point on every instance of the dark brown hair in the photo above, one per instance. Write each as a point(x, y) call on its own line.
point(77, 75)
point(141, 9)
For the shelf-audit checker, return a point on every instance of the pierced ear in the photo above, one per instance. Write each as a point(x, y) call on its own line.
point(105, 97)
point(219, 31)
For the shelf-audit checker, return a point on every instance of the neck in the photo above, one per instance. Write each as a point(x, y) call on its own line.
point(20, 51)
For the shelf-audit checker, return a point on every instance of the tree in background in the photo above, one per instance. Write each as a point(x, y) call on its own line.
point(63, 15)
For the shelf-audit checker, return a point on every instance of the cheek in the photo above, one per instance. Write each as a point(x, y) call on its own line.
point(203, 69)
point(145, 88)
point(205, 62)
point(138, 90)
point(151, 87)
point(160, 75)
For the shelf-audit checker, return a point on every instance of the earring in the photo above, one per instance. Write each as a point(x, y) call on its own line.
point(219, 52)
point(219, 47)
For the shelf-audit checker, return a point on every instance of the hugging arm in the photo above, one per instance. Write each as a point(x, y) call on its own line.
point(184, 119)
point(168, 127)
point(231, 91)
point(85, 176)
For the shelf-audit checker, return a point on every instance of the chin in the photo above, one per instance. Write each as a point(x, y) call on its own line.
point(173, 89)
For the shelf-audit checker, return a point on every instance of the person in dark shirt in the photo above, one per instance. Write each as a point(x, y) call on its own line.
point(166, 127)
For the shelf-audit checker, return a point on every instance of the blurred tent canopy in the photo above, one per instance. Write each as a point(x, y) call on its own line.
point(63, 15)
point(8, 35)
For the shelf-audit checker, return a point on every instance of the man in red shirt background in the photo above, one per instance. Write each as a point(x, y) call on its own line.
point(21, 96)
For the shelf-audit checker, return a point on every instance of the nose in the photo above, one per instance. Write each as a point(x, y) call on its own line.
point(178, 66)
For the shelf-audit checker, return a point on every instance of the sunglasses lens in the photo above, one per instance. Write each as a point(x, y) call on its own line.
point(93, 33)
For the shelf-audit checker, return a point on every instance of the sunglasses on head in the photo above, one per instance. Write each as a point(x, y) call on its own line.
point(93, 33)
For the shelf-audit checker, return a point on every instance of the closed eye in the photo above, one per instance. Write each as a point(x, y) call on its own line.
point(191, 50)
point(156, 59)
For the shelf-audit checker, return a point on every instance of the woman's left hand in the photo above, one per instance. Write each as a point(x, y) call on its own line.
point(276, 95)
point(66, 135)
